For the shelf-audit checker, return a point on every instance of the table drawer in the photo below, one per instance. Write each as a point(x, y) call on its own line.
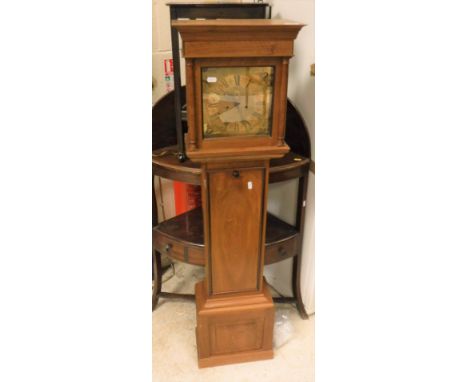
point(176, 250)
point(192, 254)
point(281, 250)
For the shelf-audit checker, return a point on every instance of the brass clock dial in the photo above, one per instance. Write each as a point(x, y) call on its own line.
point(237, 101)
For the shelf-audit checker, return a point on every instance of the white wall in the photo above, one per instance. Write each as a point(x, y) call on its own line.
point(301, 91)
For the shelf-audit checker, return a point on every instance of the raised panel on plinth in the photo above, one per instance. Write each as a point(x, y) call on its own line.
point(237, 336)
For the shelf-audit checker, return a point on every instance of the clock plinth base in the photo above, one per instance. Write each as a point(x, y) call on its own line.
point(234, 329)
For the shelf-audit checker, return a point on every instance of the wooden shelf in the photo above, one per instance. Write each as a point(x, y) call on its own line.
point(182, 238)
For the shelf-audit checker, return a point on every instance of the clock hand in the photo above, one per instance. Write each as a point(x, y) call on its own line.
point(247, 94)
point(223, 106)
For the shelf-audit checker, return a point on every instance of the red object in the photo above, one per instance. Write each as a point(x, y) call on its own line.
point(186, 197)
point(168, 67)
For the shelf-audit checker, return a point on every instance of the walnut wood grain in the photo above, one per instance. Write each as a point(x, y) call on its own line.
point(247, 49)
point(236, 225)
point(237, 30)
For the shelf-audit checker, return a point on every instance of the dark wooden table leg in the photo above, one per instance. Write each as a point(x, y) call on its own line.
point(157, 270)
point(154, 215)
point(296, 280)
point(296, 273)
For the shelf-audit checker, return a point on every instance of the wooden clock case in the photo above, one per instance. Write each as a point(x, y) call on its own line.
point(235, 312)
point(210, 43)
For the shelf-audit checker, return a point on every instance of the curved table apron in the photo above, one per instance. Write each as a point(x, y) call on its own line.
point(181, 237)
point(166, 165)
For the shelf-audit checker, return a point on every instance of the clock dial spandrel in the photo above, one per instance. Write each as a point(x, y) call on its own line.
point(237, 101)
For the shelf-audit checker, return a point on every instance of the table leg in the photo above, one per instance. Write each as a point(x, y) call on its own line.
point(296, 281)
point(296, 272)
point(157, 270)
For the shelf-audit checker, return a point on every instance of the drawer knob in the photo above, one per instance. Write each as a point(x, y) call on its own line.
point(282, 252)
point(168, 247)
point(235, 173)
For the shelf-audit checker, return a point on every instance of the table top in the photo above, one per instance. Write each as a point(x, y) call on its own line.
point(187, 228)
point(215, 4)
point(167, 165)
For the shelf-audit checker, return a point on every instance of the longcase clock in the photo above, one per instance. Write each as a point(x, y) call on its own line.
point(237, 73)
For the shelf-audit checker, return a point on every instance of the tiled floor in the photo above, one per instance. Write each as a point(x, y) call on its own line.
point(175, 352)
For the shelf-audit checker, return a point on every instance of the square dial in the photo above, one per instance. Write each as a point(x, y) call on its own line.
point(237, 101)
